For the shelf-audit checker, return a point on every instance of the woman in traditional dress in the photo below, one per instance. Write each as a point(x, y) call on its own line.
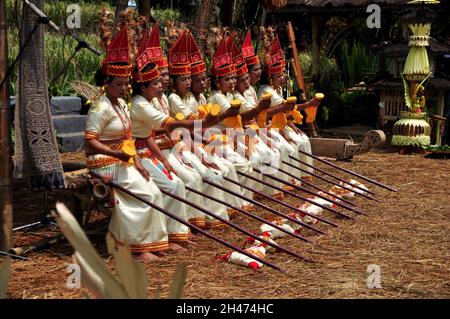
point(223, 83)
point(108, 126)
point(149, 152)
point(272, 80)
point(151, 113)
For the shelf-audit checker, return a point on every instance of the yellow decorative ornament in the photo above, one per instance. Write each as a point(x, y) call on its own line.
point(319, 96)
point(234, 121)
point(298, 117)
point(261, 118)
point(214, 109)
point(291, 99)
point(279, 121)
point(129, 149)
point(218, 138)
point(179, 116)
point(204, 110)
point(266, 96)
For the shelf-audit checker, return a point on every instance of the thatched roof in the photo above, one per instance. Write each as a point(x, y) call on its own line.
point(402, 48)
point(434, 83)
point(340, 5)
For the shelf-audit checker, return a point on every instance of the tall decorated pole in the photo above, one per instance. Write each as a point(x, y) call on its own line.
point(5, 140)
point(412, 130)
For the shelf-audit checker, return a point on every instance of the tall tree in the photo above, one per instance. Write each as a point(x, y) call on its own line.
point(226, 12)
point(120, 6)
point(5, 137)
point(144, 7)
point(202, 22)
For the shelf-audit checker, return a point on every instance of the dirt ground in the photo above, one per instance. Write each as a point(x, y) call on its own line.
point(407, 235)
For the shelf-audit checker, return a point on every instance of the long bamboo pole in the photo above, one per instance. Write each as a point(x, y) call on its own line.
point(268, 208)
point(301, 211)
point(293, 194)
point(227, 222)
point(349, 172)
point(6, 203)
point(302, 189)
point(334, 176)
point(248, 214)
point(323, 179)
point(336, 197)
point(180, 220)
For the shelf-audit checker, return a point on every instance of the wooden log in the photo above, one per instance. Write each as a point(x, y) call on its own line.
point(342, 149)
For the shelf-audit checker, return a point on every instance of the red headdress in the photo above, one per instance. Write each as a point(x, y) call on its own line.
point(238, 60)
point(248, 52)
point(148, 53)
point(195, 57)
point(179, 63)
point(223, 61)
point(153, 51)
point(117, 60)
point(276, 63)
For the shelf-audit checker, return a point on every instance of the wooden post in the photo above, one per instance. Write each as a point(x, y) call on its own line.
point(297, 67)
point(5, 138)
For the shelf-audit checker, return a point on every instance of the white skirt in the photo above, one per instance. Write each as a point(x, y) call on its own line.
point(133, 222)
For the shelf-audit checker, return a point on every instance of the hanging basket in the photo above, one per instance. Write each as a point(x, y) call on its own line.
point(411, 129)
point(273, 4)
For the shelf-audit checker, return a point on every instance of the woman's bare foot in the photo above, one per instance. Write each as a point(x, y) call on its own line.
point(146, 257)
point(176, 248)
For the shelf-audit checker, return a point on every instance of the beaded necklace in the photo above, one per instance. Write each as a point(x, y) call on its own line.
point(122, 120)
point(163, 105)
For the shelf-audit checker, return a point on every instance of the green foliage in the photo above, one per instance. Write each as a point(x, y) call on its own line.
point(57, 51)
point(56, 10)
point(356, 61)
point(357, 106)
point(339, 106)
point(162, 15)
point(58, 48)
point(328, 81)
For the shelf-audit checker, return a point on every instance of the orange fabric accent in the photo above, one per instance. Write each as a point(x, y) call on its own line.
point(99, 163)
point(89, 135)
point(146, 76)
point(252, 60)
point(117, 70)
point(241, 69)
point(167, 121)
point(198, 68)
point(179, 238)
point(162, 63)
point(276, 68)
point(197, 221)
point(224, 70)
point(180, 69)
point(140, 248)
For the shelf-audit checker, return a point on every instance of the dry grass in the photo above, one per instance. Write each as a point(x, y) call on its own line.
point(408, 236)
